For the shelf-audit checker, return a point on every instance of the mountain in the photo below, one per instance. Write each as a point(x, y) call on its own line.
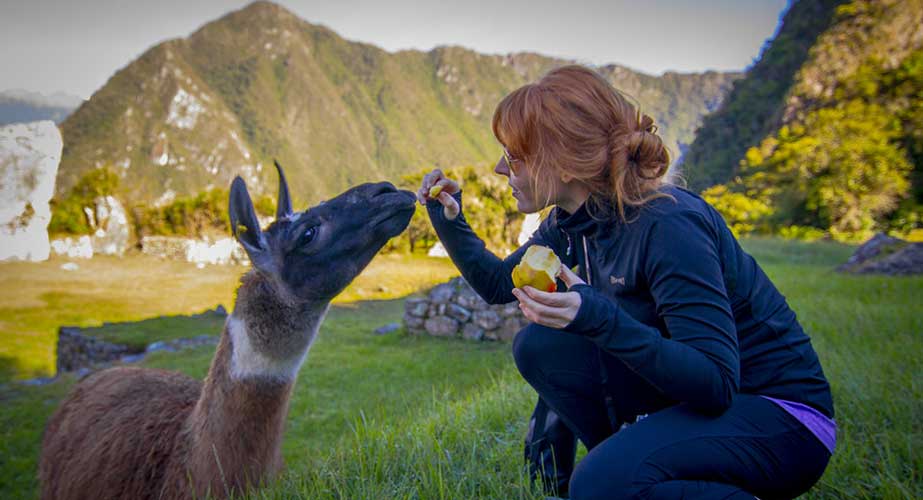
point(21, 106)
point(260, 83)
point(826, 130)
point(755, 104)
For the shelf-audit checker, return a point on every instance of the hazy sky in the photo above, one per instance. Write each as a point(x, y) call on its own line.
point(76, 45)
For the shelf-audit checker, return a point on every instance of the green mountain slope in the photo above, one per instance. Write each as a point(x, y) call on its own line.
point(843, 148)
point(260, 83)
point(754, 106)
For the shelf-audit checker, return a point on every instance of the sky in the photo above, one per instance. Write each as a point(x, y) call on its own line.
point(75, 46)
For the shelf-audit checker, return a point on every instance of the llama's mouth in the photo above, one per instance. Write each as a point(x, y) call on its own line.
point(394, 205)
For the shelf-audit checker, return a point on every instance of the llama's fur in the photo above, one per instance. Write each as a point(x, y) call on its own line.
point(151, 434)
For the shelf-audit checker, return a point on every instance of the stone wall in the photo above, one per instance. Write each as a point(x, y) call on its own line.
point(454, 309)
point(82, 353)
point(77, 351)
point(221, 251)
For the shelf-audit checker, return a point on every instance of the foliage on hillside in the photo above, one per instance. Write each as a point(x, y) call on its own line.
point(261, 84)
point(754, 106)
point(488, 207)
point(848, 156)
point(67, 213)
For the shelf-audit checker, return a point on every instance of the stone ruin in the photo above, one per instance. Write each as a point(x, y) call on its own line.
point(454, 309)
point(77, 351)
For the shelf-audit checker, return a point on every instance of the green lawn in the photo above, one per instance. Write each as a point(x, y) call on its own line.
point(407, 417)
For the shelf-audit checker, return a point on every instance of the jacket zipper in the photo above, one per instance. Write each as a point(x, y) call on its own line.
point(586, 260)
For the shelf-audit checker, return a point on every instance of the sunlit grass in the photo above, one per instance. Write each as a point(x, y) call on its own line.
point(393, 416)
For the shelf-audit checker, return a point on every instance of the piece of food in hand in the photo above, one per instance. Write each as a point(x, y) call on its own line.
point(538, 269)
point(435, 190)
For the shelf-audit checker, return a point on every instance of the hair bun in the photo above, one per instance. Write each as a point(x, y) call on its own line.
point(646, 152)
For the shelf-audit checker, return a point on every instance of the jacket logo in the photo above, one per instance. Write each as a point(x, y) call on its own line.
point(617, 281)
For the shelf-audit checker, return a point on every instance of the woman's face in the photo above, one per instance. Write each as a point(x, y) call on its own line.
point(521, 181)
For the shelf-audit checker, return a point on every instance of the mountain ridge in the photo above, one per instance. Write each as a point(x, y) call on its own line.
point(260, 84)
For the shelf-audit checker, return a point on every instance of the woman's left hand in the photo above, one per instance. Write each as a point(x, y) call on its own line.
point(554, 310)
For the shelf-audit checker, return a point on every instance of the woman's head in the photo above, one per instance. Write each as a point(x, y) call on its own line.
point(572, 126)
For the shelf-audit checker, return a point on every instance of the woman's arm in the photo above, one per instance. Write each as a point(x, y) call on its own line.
point(699, 362)
point(487, 274)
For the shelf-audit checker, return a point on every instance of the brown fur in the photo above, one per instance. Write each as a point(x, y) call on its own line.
point(153, 434)
point(149, 434)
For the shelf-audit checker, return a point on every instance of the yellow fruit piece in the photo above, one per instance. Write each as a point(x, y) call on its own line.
point(435, 190)
point(538, 269)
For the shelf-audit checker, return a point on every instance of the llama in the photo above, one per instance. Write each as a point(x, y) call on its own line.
point(137, 433)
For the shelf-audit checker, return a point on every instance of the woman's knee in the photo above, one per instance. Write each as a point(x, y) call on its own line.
point(530, 349)
point(601, 477)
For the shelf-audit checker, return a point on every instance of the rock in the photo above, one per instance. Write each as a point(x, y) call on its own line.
point(76, 351)
point(413, 322)
point(223, 251)
point(472, 332)
point(160, 346)
point(70, 266)
point(441, 326)
point(112, 231)
point(29, 158)
point(509, 329)
point(488, 320)
point(34, 382)
point(458, 312)
point(469, 299)
point(390, 327)
point(883, 254)
point(868, 250)
point(510, 310)
point(416, 307)
point(441, 294)
point(132, 358)
point(73, 248)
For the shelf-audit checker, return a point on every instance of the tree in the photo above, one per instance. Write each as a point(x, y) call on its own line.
point(841, 169)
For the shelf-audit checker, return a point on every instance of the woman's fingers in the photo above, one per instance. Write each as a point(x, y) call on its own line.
point(429, 180)
point(536, 312)
point(450, 206)
point(569, 277)
point(552, 299)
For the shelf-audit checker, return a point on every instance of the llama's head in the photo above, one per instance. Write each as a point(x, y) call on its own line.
point(315, 254)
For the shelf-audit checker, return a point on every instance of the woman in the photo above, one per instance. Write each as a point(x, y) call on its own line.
point(668, 325)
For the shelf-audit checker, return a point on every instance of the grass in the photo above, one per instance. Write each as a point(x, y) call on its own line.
point(144, 291)
point(407, 417)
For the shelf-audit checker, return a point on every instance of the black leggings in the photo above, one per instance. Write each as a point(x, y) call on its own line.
point(754, 448)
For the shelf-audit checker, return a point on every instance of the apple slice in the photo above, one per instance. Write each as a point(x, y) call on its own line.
point(538, 269)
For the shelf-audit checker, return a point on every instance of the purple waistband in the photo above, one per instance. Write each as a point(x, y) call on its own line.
point(823, 427)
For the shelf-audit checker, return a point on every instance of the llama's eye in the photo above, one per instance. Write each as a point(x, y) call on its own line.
point(308, 235)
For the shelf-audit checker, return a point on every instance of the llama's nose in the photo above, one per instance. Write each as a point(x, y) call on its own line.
point(382, 188)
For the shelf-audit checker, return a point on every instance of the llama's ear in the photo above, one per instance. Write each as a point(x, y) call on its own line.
point(246, 227)
point(284, 208)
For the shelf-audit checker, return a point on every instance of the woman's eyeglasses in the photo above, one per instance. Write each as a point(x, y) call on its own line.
point(513, 163)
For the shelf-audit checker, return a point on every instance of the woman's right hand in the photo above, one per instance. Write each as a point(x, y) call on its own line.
point(449, 187)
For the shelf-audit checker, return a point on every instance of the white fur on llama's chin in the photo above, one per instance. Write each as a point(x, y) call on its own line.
point(247, 362)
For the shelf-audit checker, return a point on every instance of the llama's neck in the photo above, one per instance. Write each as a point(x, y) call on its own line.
point(236, 427)
point(270, 332)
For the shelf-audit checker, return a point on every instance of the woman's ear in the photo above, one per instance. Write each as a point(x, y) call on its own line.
point(566, 177)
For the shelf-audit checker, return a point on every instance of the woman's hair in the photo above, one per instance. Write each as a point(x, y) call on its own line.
point(573, 121)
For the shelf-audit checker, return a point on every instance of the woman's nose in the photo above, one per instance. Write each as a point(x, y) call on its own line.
point(502, 168)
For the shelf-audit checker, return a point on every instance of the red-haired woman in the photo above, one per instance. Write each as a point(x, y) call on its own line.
point(671, 355)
